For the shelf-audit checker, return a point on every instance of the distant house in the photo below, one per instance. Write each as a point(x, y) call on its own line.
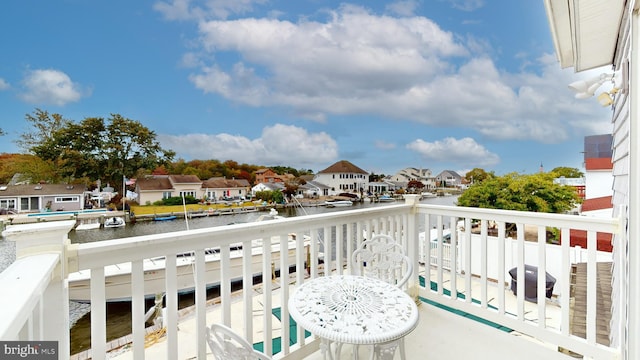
point(342, 177)
point(408, 174)
point(219, 188)
point(313, 189)
point(26, 198)
point(267, 176)
point(448, 178)
point(155, 188)
point(186, 185)
point(268, 186)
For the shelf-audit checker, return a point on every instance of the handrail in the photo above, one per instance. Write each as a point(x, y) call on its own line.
point(27, 279)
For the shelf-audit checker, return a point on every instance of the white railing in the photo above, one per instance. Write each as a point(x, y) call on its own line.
point(490, 258)
point(330, 237)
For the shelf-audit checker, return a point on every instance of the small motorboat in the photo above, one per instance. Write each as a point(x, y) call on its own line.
point(114, 222)
point(165, 218)
point(338, 203)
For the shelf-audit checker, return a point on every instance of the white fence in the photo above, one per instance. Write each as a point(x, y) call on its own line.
point(331, 238)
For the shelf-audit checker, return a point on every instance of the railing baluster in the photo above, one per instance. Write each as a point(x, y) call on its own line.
point(284, 292)
point(137, 308)
point(98, 314)
point(592, 283)
point(541, 280)
point(266, 295)
point(200, 281)
point(171, 306)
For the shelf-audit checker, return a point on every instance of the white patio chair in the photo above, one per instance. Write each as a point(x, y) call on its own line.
point(225, 344)
point(383, 258)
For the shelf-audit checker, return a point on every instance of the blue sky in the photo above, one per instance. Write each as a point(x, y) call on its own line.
point(438, 84)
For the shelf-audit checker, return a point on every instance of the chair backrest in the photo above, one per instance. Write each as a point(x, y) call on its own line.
point(225, 344)
point(383, 258)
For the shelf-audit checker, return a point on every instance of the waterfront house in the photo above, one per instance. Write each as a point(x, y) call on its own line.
point(268, 186)
point(448, 178)
point(405, 175)
point(153, 188)
point(26, 198)
point(469, 308)
point(343, 176)
point(268, 175)
point(218, 188)
point(313, 189)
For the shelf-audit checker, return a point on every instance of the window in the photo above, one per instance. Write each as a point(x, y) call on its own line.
point(32, 203)
point(166, 194)
point(8, 204)
point(67, 199)
point(187, 193)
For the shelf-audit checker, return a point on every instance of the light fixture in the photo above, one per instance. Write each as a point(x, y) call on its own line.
point(587, 88)
point(606, 98)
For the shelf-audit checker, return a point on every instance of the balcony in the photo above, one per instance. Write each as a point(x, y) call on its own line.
point(467, 302)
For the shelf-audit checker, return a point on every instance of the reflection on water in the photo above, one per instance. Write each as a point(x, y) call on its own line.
point(119, 313)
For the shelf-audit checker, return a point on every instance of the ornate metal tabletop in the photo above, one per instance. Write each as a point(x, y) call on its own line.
point(353, 309)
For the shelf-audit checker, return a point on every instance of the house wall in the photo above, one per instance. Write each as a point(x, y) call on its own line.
point(343, 182)
point(151, 196)
point(625, 173)
point(598, 184)
point(188, 189)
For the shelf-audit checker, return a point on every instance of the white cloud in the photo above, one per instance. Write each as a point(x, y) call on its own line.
point(403, 8)
point(207, 9)
point(4, 85)
point(278, 144)
point(465, 152)
point(49, 87)
point(379, 144)
point(408, 68)
point(467, 5)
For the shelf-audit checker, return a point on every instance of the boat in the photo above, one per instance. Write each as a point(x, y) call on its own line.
point(272, 215)
point(427, 195)
point(165, 218)
point(338, 203)
point(88, 224)
point(114, 222)
point(118, 277)
point(386, 198)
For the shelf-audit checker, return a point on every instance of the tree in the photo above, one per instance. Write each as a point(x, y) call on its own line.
point(477, 175)
point(415, 185)
point(567, 172)
point(536, 192)
point(43, 126)
point(98, 149)
point(30, 167)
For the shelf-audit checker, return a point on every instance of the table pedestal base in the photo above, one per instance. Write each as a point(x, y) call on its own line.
point(384, 351)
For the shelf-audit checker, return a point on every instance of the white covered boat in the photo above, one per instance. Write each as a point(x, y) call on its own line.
point(338, 203)
point(118, 277)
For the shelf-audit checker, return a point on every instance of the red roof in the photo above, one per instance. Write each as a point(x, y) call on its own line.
point(599, 203)
point(579, 238)
point(598, 164)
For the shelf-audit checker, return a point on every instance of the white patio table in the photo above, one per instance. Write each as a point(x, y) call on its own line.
point(354, 310)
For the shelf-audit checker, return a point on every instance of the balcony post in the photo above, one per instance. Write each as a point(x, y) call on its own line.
point(47, 238)
point(413, 243)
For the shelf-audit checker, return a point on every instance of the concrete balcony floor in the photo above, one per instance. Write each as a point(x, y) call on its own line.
point(441, 334)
